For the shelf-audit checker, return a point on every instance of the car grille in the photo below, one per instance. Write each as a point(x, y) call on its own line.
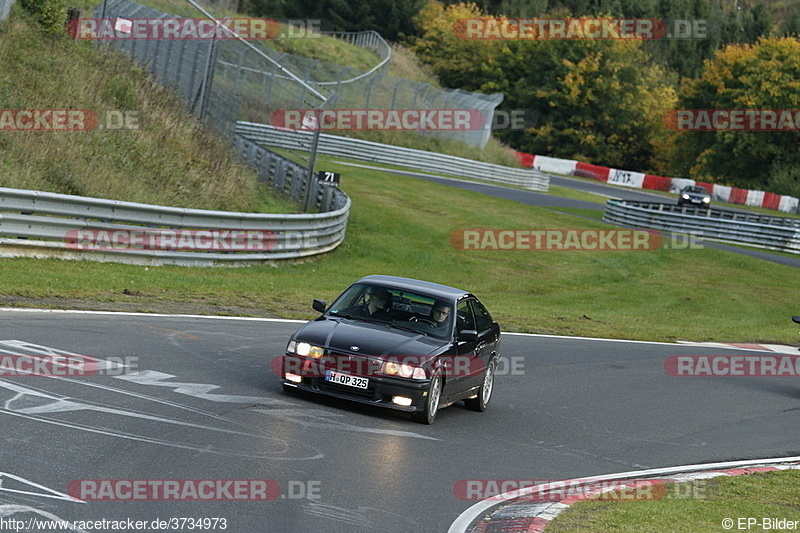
point(357, 365)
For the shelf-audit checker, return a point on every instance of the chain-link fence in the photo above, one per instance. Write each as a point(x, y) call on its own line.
point(5, 8)
point(213, 75)
point(226, 80)
point(232, 80)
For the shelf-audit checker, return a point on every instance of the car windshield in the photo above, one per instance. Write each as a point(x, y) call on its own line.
point(696, 189)
point(401, 309)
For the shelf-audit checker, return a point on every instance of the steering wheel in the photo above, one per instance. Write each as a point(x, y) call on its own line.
point(423, 320)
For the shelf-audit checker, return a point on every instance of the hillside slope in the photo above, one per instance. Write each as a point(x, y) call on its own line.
point(165, 157)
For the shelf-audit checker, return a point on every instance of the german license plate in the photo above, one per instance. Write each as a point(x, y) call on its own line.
point(346, 379)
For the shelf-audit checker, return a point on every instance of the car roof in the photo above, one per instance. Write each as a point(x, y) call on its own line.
point(426, 287)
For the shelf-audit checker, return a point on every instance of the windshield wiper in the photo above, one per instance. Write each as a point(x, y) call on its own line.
point(360, 318)
point(405, 328)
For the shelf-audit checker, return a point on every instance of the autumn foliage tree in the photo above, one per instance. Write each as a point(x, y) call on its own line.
point(463, 63)
point(752, 77)
point(599, 100)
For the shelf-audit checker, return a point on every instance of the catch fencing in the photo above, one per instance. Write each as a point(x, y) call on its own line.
point(230, 80)
point(723, 225)
point(49, 225)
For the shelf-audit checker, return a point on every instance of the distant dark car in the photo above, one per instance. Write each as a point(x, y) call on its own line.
point(399, 343)
point(695, 195)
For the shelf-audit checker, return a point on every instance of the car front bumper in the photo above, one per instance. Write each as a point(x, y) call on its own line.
point(380, 391)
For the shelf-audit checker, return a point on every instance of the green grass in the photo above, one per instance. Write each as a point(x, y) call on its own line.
point(696, 507)
point(402, 226)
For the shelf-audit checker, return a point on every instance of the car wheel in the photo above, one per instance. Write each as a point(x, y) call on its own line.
point(428, 414)
point(485, 393)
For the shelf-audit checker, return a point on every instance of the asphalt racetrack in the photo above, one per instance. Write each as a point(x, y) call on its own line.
point(193, 398)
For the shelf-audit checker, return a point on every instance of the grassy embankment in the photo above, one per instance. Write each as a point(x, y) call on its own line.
point(168, 160)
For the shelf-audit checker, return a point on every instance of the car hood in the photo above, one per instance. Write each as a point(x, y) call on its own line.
point(343, 334)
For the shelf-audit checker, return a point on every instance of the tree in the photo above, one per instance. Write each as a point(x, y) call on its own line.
point(791, 26)
point(600, 100)
point(457, 62)
point(761, 76)
point(596, 100)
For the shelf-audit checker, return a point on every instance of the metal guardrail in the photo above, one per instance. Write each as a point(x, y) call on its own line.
point(761, 231)
point(338, 146)
point(41, 224)
point(289, 178)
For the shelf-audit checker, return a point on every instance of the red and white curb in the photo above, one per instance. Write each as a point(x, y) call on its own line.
point(513, 512)
point(774, 348)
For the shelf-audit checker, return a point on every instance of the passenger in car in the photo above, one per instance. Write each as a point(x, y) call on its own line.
point(376, 307)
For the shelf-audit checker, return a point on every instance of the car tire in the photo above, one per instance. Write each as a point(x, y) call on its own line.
point(481, 403)
point(428, 413)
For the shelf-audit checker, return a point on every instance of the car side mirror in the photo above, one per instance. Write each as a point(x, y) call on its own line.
point(319, 305)
point(468, 335)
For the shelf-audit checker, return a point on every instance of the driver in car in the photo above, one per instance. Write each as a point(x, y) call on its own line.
point(439, 315)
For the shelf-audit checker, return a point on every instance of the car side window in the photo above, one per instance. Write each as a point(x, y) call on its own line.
point(465, 319)
point(483, 320)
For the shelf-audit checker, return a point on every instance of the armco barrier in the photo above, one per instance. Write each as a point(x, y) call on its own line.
point(761, 231)
point(289, 178)
point(41, 224)
point(338, 146)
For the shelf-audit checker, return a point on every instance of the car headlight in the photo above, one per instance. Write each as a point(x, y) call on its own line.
point(305, 349)
point(685, 196)
point(403, 370)
point(706, 200)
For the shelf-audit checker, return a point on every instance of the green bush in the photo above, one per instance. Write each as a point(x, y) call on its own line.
point(51, 14)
